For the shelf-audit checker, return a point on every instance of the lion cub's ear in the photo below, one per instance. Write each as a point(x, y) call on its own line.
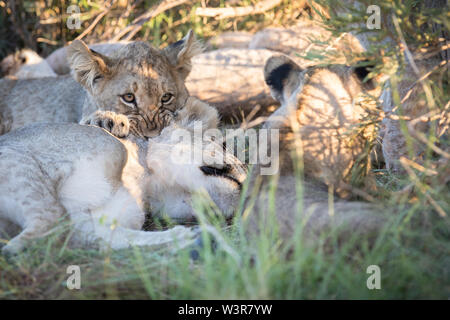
point(88, 65)
point(181, 52)
point(282, 75)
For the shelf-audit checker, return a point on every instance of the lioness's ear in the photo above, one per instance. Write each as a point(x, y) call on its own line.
point(282, 76)
point(88, 65)
point(181, 52)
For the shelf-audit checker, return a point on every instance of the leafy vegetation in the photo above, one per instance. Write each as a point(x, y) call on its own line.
point(41, 25)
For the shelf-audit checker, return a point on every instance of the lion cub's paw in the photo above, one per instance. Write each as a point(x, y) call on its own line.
point(117, 124)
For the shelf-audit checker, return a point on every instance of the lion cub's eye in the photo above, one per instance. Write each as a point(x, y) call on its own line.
point(166, 98)
point(128, 97)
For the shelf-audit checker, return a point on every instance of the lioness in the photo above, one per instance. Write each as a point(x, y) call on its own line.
point(139, 81)
point(105, 185)
point(319, 109)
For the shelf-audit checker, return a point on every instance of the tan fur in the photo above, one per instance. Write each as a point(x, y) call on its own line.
point(327, 105)
point(104, 185)
point(136, 68)
point(58, 58)
point(23, 102)
point(321, 105)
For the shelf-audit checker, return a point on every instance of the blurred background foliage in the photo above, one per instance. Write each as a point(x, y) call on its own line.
point(42, 25)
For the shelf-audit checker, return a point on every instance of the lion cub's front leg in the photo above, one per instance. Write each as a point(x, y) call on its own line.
point(117, 124)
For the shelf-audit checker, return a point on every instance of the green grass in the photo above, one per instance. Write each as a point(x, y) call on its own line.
point(412, 251)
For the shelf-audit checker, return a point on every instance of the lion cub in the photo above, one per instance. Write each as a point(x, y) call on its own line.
point(144, 83)
point(104, 185)
point(323, 107)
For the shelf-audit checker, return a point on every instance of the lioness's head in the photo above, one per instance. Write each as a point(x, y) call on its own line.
point(138, 80)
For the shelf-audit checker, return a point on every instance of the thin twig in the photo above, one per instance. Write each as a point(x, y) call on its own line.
point(96, 21)
point(233, 12)
point(440, 65)
point(425, 54)
point(444, 121)
point(412, 63)
point(422, 188)
point(50, 42)
point(420, 136)
point(415, 165)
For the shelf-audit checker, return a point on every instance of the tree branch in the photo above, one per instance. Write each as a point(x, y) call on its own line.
point(232, 12)
point(106, 9)
point(137, 23)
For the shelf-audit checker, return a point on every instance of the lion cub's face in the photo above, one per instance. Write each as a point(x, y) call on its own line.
point(139, 81)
